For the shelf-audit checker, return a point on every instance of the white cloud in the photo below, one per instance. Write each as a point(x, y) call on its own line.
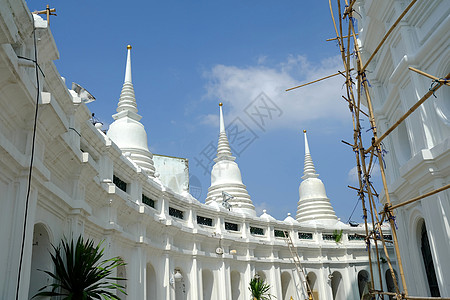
point(237, 87)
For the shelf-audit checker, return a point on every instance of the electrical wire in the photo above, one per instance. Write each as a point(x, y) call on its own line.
point(33, 144)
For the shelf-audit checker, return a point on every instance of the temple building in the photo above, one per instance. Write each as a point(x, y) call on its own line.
point(109, 186)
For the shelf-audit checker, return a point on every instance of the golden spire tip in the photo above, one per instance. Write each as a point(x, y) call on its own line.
point(304, 130)
point(220, 104)
point(129, 47)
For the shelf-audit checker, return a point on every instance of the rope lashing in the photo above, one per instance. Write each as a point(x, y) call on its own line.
point(435, 85)
point(364, 79)
point(392, 217)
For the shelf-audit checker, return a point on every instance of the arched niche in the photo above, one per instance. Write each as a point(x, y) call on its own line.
point(401, 143)
point(312, 282)
point(363, 283)
point(390, 285)
point(235, 285)
point(337, 286)
point(208, 284)
point(40, 259)
point(122, 273)
point(427, 259)
point(286, 283)
point(151, 286)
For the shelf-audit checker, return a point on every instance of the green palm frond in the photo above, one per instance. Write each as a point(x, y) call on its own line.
point(260, 289)
point(80, 273)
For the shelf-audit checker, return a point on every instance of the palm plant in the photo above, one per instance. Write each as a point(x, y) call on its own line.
point(80, 273)
point(260, 289)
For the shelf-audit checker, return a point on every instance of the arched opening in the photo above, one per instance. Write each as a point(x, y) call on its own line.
point(40, 259)
point(428, 262)
point(208, 284)
point(337, 287)
point(235, 285)
point(287, 286)
point(363, 284)
point(312, 279)
point(390, 282)
point(180, 286)
point(151, 282)
point(122, 273)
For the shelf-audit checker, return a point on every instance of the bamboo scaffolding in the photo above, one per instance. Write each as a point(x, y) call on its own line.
point(366, 190)
point(409, 112)
point(364, 83)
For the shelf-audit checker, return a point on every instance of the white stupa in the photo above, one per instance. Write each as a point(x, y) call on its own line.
point(313, 204)
point(126, 131)
point(226, 178)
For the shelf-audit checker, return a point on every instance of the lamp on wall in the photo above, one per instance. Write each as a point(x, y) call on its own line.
point(176, 276)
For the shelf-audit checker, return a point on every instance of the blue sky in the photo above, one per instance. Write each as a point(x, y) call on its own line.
point(189, 55)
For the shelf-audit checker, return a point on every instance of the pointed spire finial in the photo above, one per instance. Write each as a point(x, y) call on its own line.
point(127, 101)
point(223, 148)
point(309, 171)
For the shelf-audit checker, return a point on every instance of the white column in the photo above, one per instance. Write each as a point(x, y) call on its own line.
point(275, 281)
point(195, 292)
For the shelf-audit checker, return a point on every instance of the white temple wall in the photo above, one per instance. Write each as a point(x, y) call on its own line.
point(421, 41)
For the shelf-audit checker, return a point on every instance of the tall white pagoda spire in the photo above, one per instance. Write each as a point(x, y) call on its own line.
point(309, 171)
point(127, 100)
point(223, 148)
point(313, 204)
point(226, 180)
point(126, 131)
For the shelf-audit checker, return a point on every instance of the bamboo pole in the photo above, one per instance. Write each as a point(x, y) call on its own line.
point(444, 81)
point(336, 38)
point(317, 80)
point(417, 198)
point(387, 34)
point(409, 112)
point(48, 11)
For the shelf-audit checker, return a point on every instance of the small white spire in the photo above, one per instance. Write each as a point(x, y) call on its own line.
point(127, 100)
point(226, 177)
point(309, 171)
point(223, 148)
point(126, 131)
point(313, 203)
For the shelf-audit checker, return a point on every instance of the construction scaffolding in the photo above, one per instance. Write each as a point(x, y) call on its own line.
point(357, 91)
